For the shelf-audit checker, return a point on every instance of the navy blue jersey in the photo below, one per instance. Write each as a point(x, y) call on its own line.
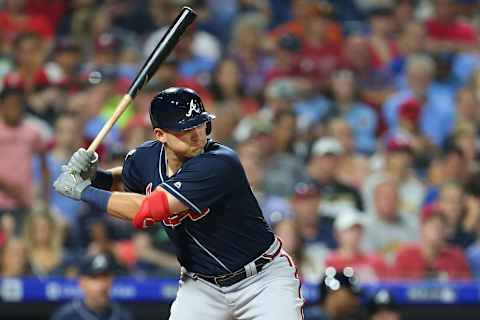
point(224, 228)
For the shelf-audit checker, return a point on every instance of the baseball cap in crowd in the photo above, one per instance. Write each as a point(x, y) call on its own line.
point(334, 280)
point(430, 211)
point(95, 265)
point(327, 146)
point(348, 218)
point(381, 300)
point(306, 190)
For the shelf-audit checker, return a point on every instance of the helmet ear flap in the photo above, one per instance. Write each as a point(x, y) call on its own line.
point(209, 127)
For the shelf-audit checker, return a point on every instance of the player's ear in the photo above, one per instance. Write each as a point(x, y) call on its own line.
point(160, 135)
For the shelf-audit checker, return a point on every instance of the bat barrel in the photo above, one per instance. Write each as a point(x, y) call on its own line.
point(163, 49)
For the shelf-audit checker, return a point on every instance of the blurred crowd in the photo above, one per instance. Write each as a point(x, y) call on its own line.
point(356, 121)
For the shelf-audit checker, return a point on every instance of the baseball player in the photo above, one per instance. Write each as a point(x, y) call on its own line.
point(233, 266)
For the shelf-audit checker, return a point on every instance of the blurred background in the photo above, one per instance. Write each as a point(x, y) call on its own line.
point(357, 122)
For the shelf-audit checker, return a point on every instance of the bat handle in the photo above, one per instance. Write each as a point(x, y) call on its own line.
point(122, 105)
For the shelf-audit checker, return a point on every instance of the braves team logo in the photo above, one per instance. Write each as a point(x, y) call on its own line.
point(176, 219)
point(193, 107)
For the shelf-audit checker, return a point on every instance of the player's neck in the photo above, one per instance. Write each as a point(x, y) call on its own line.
point(174, 162)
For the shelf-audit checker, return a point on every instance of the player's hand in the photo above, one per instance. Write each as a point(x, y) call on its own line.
point(70, 184)
point(84, 162)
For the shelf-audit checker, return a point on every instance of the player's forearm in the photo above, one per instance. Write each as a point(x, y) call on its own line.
point(124, 205)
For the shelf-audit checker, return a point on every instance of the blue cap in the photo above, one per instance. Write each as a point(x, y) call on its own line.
point(99, 264)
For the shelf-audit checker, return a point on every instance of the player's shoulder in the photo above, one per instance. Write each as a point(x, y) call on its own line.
point(217, 152)
point(214, 148)
point(145, 149)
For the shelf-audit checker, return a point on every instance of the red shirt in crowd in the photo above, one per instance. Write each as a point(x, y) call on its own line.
point(16, 79)
point(31, 23)
point(412, 264)
point(367, 267)
point(459, 31)
point(318, 63)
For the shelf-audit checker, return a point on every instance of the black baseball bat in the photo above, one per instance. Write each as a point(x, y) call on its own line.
point(151, 65)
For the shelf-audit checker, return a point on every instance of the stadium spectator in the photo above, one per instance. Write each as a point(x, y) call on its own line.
point(319, 56)
point(43, 238)
point(346, 104)
point(15, 19)
point(349, 229)
point(446, 31)
point(353, 166)
point(64, 66)
point(398, 166)
point(382, 306)
point(302, 11)
point(449, 166)
point(412, 40)
point(29, 72)
point(21, 141)
point(386, 229)
point(283, 167)
point(432, 257)
point(322, 169)
point(338, 297)
point(246, 49)
point(14, 259)
point(230, 102)
point(436, 120)
point(453, 201)
point(285, 58)
point(7, 228)
point(311, 228)
point(97, 273)
point(374, 85)
point(67, 127)
point(382, 45)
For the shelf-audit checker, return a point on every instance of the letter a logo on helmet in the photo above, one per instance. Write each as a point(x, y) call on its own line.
point(193, 107)
point(178, 109)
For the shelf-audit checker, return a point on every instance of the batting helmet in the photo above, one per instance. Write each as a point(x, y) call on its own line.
point(179, 109)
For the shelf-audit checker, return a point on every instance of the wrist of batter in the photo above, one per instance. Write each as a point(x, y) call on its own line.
point(96, 197)
point(103, 180)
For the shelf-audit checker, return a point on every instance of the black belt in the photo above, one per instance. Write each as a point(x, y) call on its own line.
point(241, 274)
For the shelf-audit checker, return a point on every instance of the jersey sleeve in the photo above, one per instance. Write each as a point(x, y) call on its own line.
point(131, 175)
point(202, 181)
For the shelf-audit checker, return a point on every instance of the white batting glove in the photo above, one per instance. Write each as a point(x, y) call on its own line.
point(70, 184)
point(84, 162)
